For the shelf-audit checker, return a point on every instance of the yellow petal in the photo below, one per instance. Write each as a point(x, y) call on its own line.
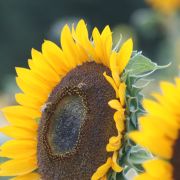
point(98, 46)
point(31, 90)
point(158, 168)
point(114, 143)
point(159, 128)
point(145, 176)
point(119, 120)
point(22, 112)
point(112, 83)
point(18, 149)
point(167, 88)
point(102, 170)
point(102, 45)
point(115, 165)
point(69, 48)
point(40, 73)
point(165, 102)
point(81, 33)
point(55, 57)
point(31, 75)
point(20, 121)
point(124, 54)
point(82, 39)
point(104, 178)
point(18, 167)
point(115, 104)
point(159, 111)
point(28, 101)
point(19, 133)
point(107, 44)
point(30, 176)
point(114, 68)
point(122, 93)
point(171, 103)
point(43, 67)
point(177, 80)
point(28, 76)
point(83, 56)
point(35, 83)
point(154, 144)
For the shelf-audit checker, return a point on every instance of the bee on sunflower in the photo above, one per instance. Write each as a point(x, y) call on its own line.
point(77, 104)
point(159, 133)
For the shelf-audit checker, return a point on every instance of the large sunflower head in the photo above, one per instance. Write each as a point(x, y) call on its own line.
point(159, 133)
point(70, 121)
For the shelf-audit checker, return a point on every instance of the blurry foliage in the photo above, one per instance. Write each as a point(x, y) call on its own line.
point(25, 24)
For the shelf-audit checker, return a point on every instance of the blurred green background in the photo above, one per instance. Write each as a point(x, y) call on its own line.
point(25, 24)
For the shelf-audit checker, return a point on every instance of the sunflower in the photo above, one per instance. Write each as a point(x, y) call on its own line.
point(165, 6)
point(159, 133)
point(62, 123)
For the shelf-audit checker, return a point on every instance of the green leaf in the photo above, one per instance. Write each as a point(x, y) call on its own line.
point(138, 155)
point(133, 104)
point(140, 65)
point(130, 173)
point(113, 176)
point(120, 176)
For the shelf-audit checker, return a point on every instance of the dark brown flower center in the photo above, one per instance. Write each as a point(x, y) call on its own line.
point(176, 159)
point(76, 125)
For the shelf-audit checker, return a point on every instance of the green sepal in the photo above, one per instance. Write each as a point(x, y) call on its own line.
point(138, 155)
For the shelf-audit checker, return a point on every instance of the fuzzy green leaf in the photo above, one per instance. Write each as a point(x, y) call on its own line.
point(140, 65)
point(138, 155)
